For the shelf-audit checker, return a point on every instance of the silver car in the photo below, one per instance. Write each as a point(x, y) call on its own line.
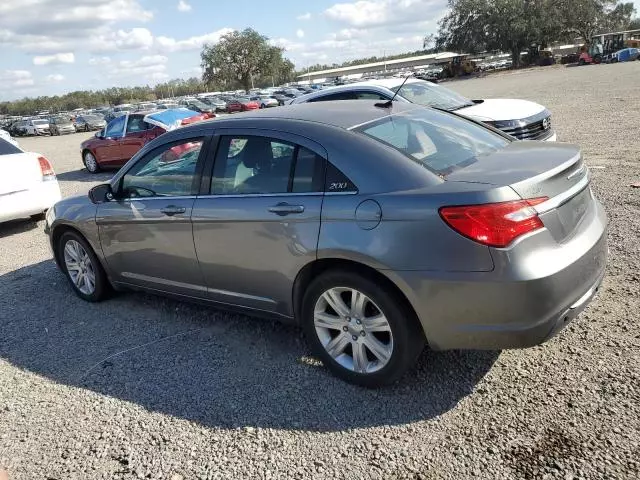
point(377, 229)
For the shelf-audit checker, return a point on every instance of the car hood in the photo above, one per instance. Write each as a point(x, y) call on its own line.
point(496, 109)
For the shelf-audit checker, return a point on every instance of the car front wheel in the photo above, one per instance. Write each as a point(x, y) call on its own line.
point(362, 332)
point(90, 162)
point(82, 268)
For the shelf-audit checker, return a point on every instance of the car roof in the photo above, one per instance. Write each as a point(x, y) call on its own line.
point(343, 114)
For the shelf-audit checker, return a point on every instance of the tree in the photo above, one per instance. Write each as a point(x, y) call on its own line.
point(587, 18)
point(634, 24)
point(241, 57)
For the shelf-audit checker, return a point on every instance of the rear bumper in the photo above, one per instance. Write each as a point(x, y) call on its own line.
point(29, 202)
point(503, 309)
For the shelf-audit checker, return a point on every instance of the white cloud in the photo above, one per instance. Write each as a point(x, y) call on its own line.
point(134, 39)
point(54, 77)
point(183, 6)
point(65, 25)
point(348, 34)
point(287, 44)
point(374, 13)
point(68, 17)
point(192, 43)
point(55, 59)
point(150, 66)
point(10, 79)
point(300, 33)
point(99, 61)
point(304, 16)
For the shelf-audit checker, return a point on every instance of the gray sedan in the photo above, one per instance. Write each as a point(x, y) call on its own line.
point(377, 228)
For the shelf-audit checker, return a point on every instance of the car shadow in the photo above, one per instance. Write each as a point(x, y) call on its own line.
point(14, 227)
point(83, 175)
point(216, 368)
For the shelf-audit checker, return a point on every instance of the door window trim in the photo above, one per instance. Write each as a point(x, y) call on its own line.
point(198, 174)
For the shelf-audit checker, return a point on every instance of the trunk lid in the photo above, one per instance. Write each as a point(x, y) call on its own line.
point(19, 172)
point(539, 169)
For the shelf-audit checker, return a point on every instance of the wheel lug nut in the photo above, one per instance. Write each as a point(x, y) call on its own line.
point(348, 319)
point(363, 333)
point(345, 329)
point(358, 322)
point(354, 337)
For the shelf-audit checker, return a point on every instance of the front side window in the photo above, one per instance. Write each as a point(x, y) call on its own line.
point(439, 141)
point(363, 95)
point(261, 165)
point(115, 127)
point(167, 171)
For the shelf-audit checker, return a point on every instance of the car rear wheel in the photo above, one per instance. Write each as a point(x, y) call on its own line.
point(82, 268)
point(90, 162)
point(362, 332)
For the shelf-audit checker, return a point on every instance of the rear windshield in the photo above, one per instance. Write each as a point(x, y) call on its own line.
point(8, 148)
point(439, 141)
point(40, 122)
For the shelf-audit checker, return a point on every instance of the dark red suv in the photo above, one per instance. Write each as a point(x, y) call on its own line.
point(118, 142)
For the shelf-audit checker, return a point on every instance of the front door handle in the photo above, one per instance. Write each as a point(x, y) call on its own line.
point(283, 209)
point(171, 210)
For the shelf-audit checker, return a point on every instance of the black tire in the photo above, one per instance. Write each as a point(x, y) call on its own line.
point(102, 286)
point(581, 62)
point(408, 337)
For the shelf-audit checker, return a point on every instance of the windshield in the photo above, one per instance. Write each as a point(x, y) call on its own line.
point(438, 141)
point(92, 118)
point(431, 95)
point(40, 122)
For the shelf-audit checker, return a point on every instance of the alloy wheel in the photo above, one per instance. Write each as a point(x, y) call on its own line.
point(353, 330)
point(90, 162)
point(80, 267)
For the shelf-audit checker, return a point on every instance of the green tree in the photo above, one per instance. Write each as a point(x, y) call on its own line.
point(587, 18)
point(240, 57)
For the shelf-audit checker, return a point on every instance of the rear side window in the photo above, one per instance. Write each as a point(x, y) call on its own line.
point(7, 148)
point(261, 165)
point(440, 142)
point(335, 96)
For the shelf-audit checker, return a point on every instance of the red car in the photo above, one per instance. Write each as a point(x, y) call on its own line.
point(121, 139)
point(241, 104)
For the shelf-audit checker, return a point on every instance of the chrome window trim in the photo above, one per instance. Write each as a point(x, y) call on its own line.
point(292, 194)
point(139, 199)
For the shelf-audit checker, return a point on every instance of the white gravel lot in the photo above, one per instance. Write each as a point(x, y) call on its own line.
point(227, 396)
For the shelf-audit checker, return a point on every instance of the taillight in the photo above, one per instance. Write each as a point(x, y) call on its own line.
point(494, 224)
point(46, 169)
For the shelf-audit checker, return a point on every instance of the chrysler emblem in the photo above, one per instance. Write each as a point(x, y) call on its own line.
point(546, 123)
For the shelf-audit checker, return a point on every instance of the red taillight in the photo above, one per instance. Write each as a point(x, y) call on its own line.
point(494, 224)
point(46, 168)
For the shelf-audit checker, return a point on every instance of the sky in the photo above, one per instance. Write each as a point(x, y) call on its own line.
point(56, 46)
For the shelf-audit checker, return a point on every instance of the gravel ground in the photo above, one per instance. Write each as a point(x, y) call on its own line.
point(143, 387)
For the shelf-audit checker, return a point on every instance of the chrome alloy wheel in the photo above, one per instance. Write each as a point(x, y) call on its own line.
point(90, 162)
point(79, 266)
point(353, 330)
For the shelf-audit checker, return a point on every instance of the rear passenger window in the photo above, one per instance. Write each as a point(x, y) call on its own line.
point(261, 165)
point(335, 96)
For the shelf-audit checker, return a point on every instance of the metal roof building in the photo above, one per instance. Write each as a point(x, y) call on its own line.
point(384, 66)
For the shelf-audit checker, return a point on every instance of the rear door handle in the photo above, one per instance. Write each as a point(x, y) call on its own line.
point(283, 209)
point(171, 210)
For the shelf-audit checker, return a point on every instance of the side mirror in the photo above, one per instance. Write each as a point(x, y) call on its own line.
point(101, 193)
point(99, 134)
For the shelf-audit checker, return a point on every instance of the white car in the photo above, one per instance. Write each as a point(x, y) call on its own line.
point(28, 184)
point(37, 126)
point(522, 119)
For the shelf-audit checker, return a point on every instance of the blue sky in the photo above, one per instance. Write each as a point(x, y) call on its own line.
point(55, 46)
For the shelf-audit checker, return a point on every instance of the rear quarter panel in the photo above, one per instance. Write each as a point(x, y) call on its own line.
point(410, 235)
